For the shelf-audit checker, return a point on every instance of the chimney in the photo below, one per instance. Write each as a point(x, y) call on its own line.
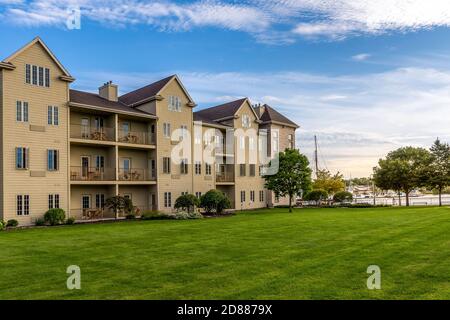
point(109, 91)
point(259, 109)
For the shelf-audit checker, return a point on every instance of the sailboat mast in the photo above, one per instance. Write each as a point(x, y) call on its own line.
point(316, 156)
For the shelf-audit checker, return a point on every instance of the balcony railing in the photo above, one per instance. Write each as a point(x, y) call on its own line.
point(78, 131)
point(92, 174)
point(137, 137)
point(136, 174)
point(225, 174)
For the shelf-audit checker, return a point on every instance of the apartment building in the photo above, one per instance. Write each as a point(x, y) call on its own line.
point(64, 148)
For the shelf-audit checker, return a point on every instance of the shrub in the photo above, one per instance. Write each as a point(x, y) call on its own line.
point(70, 221)
point(343, 196)
point(316, 196)
point(130, 216)
point(12, 223)
point(119, 204)
point(154, 215)
point(2, 225)
point(181, 215)
point(39, 222)
point(214, 201)
point(187, 202)
point(55, 216)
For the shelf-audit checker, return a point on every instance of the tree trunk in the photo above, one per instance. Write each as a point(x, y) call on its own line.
point(407, 198)
point(399, 199)
point(440, 196)
point(290, 204)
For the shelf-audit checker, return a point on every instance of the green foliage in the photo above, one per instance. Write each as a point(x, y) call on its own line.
point(293, 177)
point(187, 202)
point(328, 182)
point(316, 195)
point(438, 172)
point(55, 216)
point(360, 181)
point(119, 204)
point(2, 225)
point(70, 221)
point(343, 196)
point(214, 201)
point(403, 170)
point(39, 222)
point(156, 215)
point(130, 216)
point(12, 223)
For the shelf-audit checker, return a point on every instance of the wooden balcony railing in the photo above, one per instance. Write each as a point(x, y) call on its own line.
point(78, 131)
point(92, 174)
point(226, 175)
point(137, 137)
point(134, 174)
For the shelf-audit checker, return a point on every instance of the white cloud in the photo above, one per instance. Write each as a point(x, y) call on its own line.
point(266, 20)
point(358, 118)
point(361, 57)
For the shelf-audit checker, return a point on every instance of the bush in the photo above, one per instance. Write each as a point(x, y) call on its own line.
point(70, 221)
point(154, 215)
point(343, 196)
point(55, 216)
point(130, 216)
point(39, 222)
point(181, 215)
point(12, 223)
point(2, 225)
point(316, 196)
point(185, 215)
point(214, 201)
point(187, 202)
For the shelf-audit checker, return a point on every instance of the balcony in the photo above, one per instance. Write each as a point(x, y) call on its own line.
point(136, 174)
point(137, 137)
point(92, 174)
point(78, 131)
point(225, 174)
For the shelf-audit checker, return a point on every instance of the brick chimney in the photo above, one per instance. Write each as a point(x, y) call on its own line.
point(109, 91)
point(259, 109)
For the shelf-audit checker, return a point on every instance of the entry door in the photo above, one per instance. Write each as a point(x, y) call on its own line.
point(153, 201)
point(85, 167)
point(99, 123)
point(85, 202)
point(125, 164)
point(153, 168)
point(85, 128)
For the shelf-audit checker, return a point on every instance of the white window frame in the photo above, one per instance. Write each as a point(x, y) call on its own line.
point(23, 205)
point(22, 111)
point(53, 115)
point(52, 155)
point(25, 154)
point(166, 130)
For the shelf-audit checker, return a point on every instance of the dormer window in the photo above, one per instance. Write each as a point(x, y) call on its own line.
point(246, 121)
point(37, 76)
point(174, 103)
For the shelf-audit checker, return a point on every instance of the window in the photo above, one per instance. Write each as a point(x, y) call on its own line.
point(277, 199)
point(23, 205)
point(198, 167)
point(86, 201)
point(37, 76)
point(166, 165)
point(246, 121)
point(166, 130)
point(53, 201)
point(252, 170)
point(242, 142)
point(167, 199)
point(22, 158)
point(34, 75)
point(275, 142)
point(99, 162)
point(41, 76)
point(261, 196)
point(242, 196)
point(252, 196)
point(242, 170)
point(198, 195)
point(184, 193)
point(53, 115)
point(208, 169)
point(174, 103)
point(184, 166)
point(100, 200)
point(22, 111)
point(52, 160)
point(251, 143)
point(183, 132)
point(28, 74)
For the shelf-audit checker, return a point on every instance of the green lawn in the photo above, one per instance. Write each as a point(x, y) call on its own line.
point(270, 254)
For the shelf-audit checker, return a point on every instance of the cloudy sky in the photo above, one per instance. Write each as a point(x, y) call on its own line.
point(364, 76)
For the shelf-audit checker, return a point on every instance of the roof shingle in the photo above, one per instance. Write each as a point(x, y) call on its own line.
point(222, 111)
point(144, 92)
point(270, 114)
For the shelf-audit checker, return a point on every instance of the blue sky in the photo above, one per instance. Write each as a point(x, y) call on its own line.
point(366, 76)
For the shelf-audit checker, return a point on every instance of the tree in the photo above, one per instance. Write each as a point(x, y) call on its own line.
point(317, 196)
point(214, 201)
point(187, 202)
point(343, 196)
point(438, 172)
point(119, 204)
point(328, 182)
point(402, 170)
point(293, 176)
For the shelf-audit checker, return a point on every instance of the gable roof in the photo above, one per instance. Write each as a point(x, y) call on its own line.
point(206, 121)
point(145, 94)
point(226, 110)
point(49, 52)
point(94, 100)
point(271, 115)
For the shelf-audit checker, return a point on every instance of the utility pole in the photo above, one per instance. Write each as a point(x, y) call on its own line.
point(316, 156)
